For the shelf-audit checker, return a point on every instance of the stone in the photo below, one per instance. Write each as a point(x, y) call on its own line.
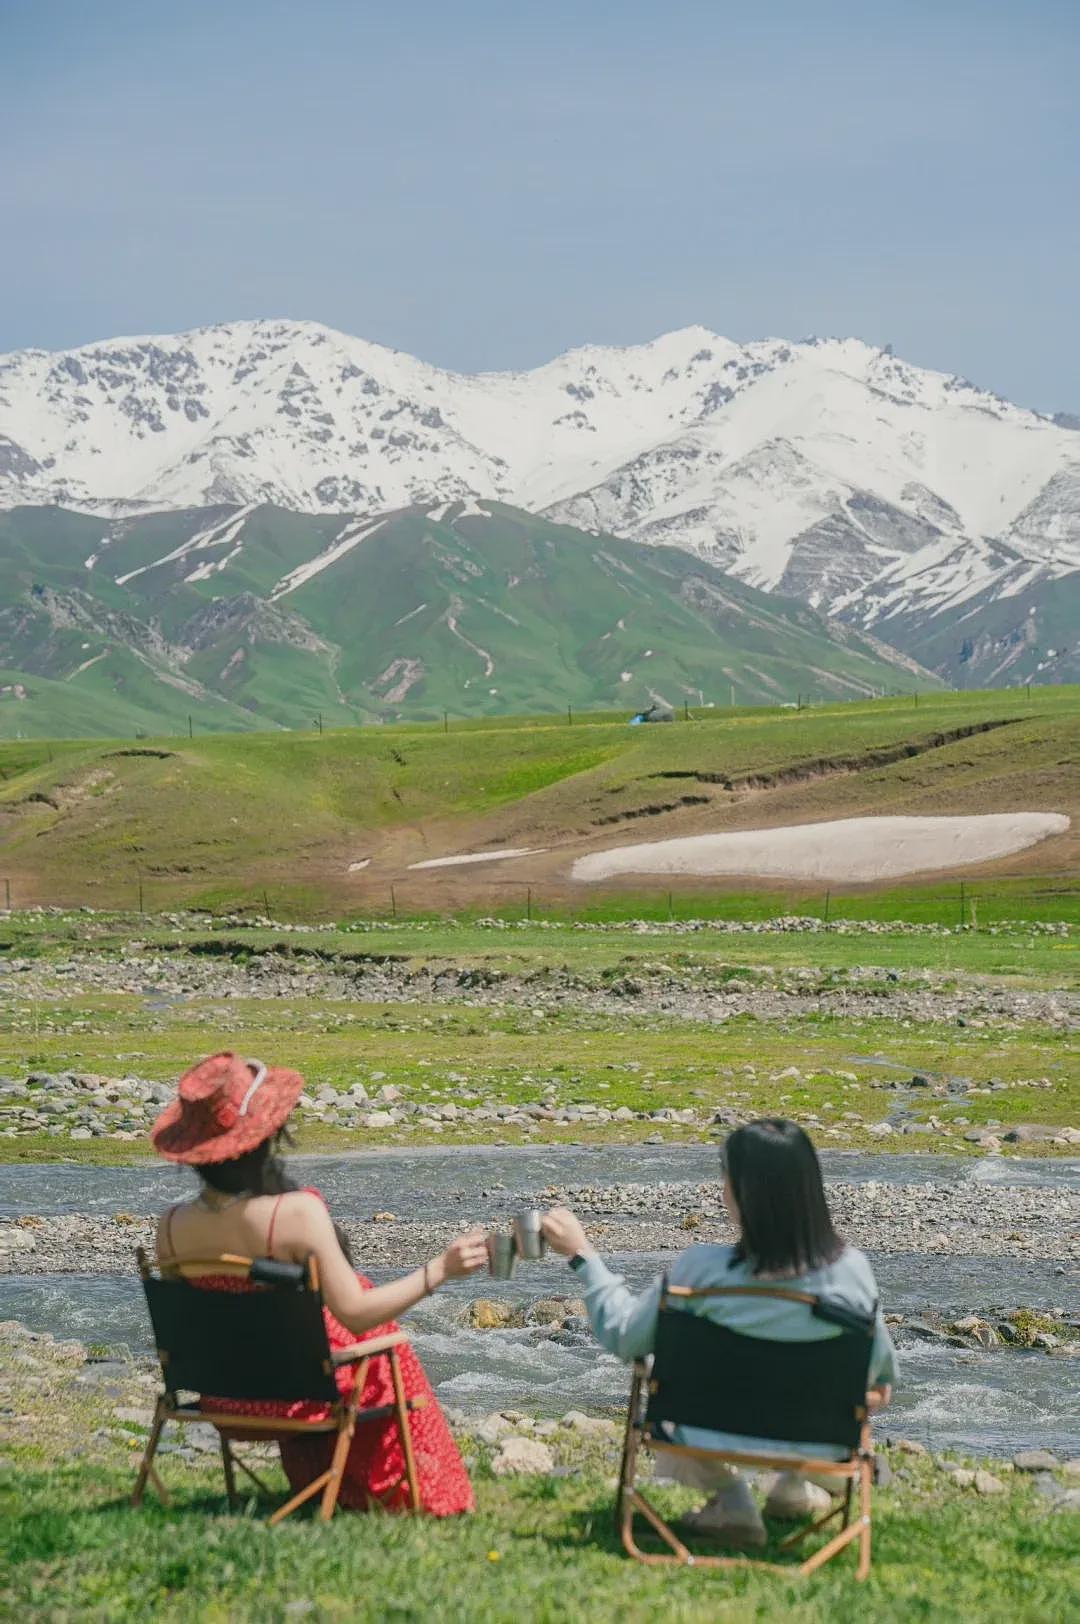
point(486, 1314)
point(523, 1457)
point(880, 1130)
point(1035, 1460)
point(553, 1310)
point(1069, 1500)
point(1071, 1468)
point(378, 1119)
point(962, 1477)
point(492, 1429)
point(987, 1483)
point(911, 1446)
point(883, 1472)
point(590, 1426)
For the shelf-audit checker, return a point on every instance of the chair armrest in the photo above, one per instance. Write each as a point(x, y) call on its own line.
point(367, 1350)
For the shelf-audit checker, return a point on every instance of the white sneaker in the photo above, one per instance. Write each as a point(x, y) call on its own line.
point(793, 1498)
point(731, 1517)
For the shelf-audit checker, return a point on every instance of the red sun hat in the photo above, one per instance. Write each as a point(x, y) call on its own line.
point(225, 1106)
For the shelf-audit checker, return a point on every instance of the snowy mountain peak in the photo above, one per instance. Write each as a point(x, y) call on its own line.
point(829, 468)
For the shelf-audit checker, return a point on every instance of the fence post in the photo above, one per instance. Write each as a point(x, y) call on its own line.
point(393, 902)
point(528, 902)
point(670, 908)
point(569, 716)
point(190, 728)
point(827, 894)
point(446, 721)
point(961, 904)
point(7, 895)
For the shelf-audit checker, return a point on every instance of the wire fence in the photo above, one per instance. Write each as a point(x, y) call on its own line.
point(321, 897)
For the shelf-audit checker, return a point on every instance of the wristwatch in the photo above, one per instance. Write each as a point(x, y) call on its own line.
point(578, 1262)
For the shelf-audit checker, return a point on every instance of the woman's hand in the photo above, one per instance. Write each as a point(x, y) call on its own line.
point(463, 1256)
point(878, 1397)
point(564, 1233)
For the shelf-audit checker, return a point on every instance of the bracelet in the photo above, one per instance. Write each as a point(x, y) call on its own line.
point(427, 1287)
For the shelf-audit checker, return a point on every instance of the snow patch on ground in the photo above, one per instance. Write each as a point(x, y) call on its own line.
point(480, 857)
point(847, 849)
point(343, 543)
point(362, 862)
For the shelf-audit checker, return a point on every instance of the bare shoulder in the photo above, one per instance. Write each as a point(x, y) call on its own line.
point(302, 1211)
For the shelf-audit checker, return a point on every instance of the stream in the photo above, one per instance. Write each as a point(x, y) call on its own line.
point(986, 1402)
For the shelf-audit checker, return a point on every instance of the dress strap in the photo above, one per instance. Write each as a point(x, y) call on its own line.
point(273, 1221)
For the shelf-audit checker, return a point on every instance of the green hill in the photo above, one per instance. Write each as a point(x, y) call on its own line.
point(221, 819)
point(258, 618)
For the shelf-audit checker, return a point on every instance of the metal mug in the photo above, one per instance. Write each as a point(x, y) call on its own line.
point(502, 1254)
point(528, 1235)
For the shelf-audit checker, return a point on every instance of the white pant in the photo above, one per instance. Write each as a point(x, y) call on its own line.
point(699, 1472)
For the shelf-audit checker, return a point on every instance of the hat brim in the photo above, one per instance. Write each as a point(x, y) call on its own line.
point(180, 1139)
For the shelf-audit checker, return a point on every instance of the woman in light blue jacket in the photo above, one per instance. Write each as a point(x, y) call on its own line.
point(774, 1193)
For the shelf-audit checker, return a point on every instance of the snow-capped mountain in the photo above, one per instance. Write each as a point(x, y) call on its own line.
point(828, 470)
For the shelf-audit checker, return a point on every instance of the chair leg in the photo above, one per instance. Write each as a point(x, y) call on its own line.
point(624, 1515)
point(337, 1466)
point(146, 1469)
point(298, 1499)
point(865, 1524)
point(402, 1412)
point(227, 1467)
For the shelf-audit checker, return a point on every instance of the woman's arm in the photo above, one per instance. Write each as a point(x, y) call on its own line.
point(305, 1226)
point(621, 1322)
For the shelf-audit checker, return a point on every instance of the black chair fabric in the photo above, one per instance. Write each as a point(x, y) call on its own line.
point(706, 1375)
point(269, 1343)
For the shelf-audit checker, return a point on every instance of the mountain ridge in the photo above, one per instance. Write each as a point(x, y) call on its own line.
point(896, 498)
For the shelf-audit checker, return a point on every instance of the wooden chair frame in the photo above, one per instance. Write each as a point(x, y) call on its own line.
point(857, 1468)
point(342, 1419)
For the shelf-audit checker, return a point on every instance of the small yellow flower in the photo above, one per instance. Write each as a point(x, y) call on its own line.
point(494, 1556)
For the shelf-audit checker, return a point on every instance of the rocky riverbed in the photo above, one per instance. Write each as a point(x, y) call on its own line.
point(704, 991)
point(936, 1219)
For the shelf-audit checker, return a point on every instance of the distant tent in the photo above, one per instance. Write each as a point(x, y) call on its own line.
point(657, 712)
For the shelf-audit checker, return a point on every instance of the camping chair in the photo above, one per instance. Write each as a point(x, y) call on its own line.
point(706, 1375)
point(269, 1343)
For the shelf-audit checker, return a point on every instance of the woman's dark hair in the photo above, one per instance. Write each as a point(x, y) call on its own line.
point(784, 1220)
point(258, 1172)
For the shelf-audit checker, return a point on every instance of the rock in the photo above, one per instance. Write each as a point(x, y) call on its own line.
point(377, 1119)
point(1071, 1468)
point(486, 1314)
point(15, 1239)
point(987, 1483)
point(1068, 1501)
point(1035, 1460)
point(553, 1310)
point(880, 1130)
point(492, 1429)
point(523, 1457)
point(883, 1472)
point(1027, 1133)
point(911, 1446)
point(590, 1426)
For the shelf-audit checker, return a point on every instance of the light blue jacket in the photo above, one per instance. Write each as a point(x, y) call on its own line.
point(625, 1324)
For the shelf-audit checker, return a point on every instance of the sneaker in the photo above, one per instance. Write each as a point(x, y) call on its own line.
point(793, 1498)
point(730, 1518)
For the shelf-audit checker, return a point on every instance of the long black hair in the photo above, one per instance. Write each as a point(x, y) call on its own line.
point(259, 1172)
point(784, 1220)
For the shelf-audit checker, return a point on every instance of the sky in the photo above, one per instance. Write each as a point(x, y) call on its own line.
point(486, 183)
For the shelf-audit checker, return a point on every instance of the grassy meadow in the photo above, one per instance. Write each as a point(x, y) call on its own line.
point(275, 821)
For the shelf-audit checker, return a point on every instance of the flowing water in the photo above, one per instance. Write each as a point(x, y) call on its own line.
point(986, 1402)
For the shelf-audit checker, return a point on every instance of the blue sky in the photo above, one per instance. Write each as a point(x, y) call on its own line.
point(488, 182)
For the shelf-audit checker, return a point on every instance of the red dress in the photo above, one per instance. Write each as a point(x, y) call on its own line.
point(375, 1469)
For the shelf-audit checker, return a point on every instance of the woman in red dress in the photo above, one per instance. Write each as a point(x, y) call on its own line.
point(226, 1123)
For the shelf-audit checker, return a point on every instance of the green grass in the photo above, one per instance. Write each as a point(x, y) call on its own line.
point(510, 1055)
point(541, 1550)
point(274, 819)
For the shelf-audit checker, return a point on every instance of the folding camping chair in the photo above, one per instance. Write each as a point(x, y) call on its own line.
point(266, 1343)
point(705, 1375)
